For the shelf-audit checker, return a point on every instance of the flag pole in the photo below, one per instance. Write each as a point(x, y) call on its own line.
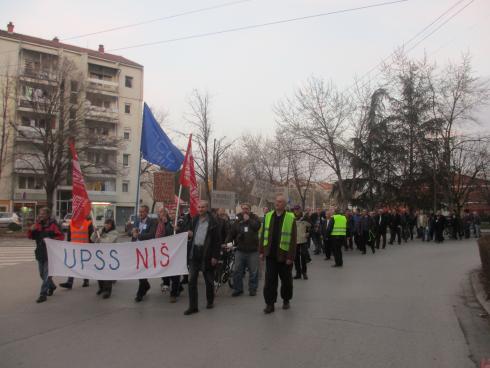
point(177, 209)
point(136, 207)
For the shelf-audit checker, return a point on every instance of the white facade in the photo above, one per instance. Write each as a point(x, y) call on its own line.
point(113, 96)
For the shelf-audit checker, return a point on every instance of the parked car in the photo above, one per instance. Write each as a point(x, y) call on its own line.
point(65, 223)
point(10, 220)
point(130, 223)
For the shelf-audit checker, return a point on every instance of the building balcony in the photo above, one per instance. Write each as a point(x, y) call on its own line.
point(39, 105)
point(29, 164)
point(98, 113)
point(101, 142)
point(102, 86)
point(47, 76)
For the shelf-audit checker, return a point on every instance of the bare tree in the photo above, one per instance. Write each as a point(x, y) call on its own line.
point(57, 115)
point(318, 116)
point(199, 119)
point(212, 151)
point(469, 160)
point(457, 96)
point(7, 93)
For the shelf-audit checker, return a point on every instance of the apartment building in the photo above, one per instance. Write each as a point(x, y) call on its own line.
point(111, 88)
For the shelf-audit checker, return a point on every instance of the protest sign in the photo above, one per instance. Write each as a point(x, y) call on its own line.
point(222, 199)
point(153, 258)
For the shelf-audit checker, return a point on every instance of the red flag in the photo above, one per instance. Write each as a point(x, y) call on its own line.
point(188, 178)
point(80, 203)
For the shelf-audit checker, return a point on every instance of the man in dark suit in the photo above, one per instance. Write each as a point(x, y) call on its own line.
point(144, 228)
point(380, 225)
point(204, 255)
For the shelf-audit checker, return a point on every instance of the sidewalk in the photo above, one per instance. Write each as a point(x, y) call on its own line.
point(479, 291)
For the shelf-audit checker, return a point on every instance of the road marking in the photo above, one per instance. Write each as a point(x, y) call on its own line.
point(11, 256)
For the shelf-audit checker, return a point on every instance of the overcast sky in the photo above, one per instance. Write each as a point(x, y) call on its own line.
point(247, 72)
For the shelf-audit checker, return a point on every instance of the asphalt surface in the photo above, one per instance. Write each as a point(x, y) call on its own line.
point(405, 306)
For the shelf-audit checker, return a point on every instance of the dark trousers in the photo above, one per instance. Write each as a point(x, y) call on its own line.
point(143, 287)
point(208, 274)
point(300, 260)
point(327, 247)
point(105, 285)
point(275, 270)
point(379, 235)
point(395, 232)
point(71, 279)
point(337, 242)
point(350, 243)
point(362, 241)
point(174, 283)
point(317, 241)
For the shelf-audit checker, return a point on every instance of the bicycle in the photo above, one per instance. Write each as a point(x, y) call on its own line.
point(224, 269)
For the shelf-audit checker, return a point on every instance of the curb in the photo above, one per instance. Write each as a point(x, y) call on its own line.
point(480, 293)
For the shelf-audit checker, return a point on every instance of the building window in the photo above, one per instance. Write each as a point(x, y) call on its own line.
point(126, 135)
point(127, 108)
point(128, 82)
point(30, 182)
point(101, 186)
point(125, 159)
point(125, 187)
point(74, 86)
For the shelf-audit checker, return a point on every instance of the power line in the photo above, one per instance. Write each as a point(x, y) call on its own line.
point(178, 15)
point(418, 42)
point(200, 10)
point(407, 42)
point(259, 25)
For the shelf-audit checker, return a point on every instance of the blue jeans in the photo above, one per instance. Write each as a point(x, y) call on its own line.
point(246, 260)
point(47, 280)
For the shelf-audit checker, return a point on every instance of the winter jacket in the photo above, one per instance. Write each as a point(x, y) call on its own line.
point(245, 234)
point(45, 229)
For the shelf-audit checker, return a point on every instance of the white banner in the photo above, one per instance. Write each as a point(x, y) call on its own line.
point(119, 261)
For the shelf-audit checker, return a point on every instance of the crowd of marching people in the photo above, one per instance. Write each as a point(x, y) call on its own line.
point(281, 239)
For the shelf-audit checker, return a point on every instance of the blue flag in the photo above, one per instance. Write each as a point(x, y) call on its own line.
point(156, 147)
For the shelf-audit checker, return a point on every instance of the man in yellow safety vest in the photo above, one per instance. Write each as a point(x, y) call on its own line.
point(278, 245)
point(336, 232)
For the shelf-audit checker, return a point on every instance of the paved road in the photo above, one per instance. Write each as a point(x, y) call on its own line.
point(397, 308)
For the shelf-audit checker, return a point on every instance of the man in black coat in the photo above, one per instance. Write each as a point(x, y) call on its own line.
point(204, 255)
point(395, 227)
point(144, 228)
point(381, 223)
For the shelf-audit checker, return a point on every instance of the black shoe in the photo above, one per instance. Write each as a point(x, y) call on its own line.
point(298, 276)
point(286, 305)
point(190, 311)
point(327, 258)
point(85, 283)
point(252, 293)
point(363, 252)
point(336, 265)
point(41, 299)
point(138, 298)
point(100, 291)
point(305, 276)
point(316, 252)
point(237, 293)
point(269, 309)
point(209, 306)
point(66, 285)
point(373, 250)
point(51, 291)
point(106, 295)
